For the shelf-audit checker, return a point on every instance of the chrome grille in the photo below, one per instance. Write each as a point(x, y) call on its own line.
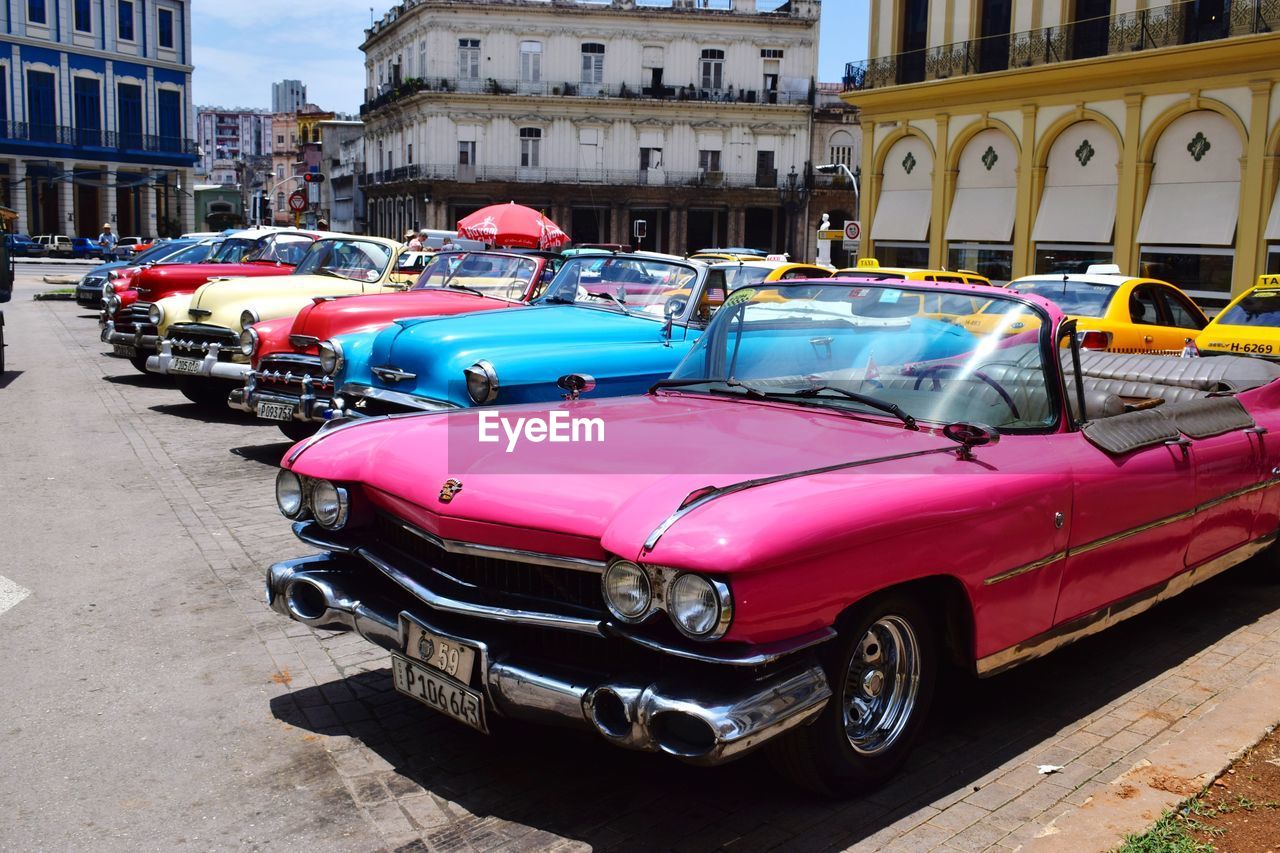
point(194, 340)
point(488, 576)
point(286, 372)
point(134, 318)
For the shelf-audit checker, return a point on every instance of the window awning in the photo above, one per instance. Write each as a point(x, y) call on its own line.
point(1190, 214)
point(1076, 215)
point(1273, 222)
point(982, 215)
point(902, 215)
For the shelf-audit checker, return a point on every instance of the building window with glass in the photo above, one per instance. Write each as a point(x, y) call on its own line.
point(422, 58)
point(530, 61)
point(88, 106)
point(530, 147)
point(82, 15)
point(164, 26)
point(709, 161)
point(124, 13)
point(592, 64)
point(712, 69)
point(469, 59)
point(36, 13)
point(466, 153)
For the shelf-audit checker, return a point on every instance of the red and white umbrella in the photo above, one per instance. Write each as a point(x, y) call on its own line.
point(513, 226)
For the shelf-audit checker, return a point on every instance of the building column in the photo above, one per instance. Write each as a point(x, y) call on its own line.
point(944, 184)
point(1250, 245)
point(147, 210)
point(1127, 210)
point(869, 191)
point(66, 204)
point(18, 193)
point(111, 211)
point(678, 230)
point(737, 225)
point(187, 200)
point(619, 232)
point(1023, 253)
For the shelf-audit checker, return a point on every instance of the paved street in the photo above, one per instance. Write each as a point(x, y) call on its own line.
point(151, 701)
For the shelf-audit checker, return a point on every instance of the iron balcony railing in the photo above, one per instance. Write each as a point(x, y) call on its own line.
point(390, 93)
point(463, 173)
point(1187, 22)
point(58, 134)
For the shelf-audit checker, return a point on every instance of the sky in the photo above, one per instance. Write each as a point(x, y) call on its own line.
point(239, 51)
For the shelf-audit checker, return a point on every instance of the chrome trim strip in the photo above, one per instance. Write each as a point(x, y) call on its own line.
point(1132, 531)
point(1111, 614)
point(453, 546)
point(1022, 570)
point(684, 510)
point(577, 624)
point(418, 404)
point(761, 655)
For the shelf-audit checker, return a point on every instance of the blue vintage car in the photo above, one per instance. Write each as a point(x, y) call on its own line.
point(624, 319)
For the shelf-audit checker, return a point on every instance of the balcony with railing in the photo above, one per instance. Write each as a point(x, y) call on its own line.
point(466, 173)
point(107, 140)
point(1179, 23)
point(389, 94)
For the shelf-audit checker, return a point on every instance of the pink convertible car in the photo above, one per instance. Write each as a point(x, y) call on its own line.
point(838, 493)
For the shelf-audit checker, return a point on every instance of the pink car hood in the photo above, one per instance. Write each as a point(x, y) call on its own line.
point(585, 499)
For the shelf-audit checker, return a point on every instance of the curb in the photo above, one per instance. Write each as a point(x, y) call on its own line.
point(1174, 771)
point(53, 297)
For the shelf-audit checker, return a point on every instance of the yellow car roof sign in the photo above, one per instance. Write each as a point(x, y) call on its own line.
point(868, 263)
point(1268, 281)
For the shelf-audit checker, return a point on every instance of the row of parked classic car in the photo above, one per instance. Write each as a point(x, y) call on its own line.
point(723, 550)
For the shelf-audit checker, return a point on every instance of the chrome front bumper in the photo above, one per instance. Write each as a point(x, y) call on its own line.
point(307, 407)
point(354, 397)
point(700, 720)
point(135, 339)
point(210, 367)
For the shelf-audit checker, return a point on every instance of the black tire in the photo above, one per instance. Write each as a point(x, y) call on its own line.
point(1, 344)
point(298, 430)
point(139, 362)
point(205, 393)
point(822, 756)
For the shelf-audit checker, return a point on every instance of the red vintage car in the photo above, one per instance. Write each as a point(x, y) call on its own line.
point(247, 254)
point(835, 496)
point(290, 382)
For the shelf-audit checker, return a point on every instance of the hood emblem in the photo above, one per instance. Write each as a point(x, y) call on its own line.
point(392, 374)
point(450, 488)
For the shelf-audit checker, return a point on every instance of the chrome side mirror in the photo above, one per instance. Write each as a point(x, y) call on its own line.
point(969, 436)
point(576, 384)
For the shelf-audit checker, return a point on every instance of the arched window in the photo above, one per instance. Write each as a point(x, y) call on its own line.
point(841, 148)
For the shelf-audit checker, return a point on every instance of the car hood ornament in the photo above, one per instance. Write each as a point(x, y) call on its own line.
point(450, 488)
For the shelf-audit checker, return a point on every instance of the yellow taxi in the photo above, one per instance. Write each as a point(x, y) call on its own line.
point(870, 266)
point(1139, 315)
point(1249, 325)
point(713, 255)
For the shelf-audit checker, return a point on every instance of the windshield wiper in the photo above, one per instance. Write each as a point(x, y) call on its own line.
point(327, 271)
point(464, 288)
point(558, 300)
point(604, 294)
point(864, 399)
point(747, 390)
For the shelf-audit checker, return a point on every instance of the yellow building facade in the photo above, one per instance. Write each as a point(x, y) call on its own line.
point(1034, 136)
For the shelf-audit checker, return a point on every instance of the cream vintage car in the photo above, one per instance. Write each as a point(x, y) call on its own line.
point(200, 333)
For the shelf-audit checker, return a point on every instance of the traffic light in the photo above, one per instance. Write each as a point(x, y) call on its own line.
point(313, 178)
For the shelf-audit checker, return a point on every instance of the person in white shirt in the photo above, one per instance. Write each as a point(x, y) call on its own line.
point(107, 242)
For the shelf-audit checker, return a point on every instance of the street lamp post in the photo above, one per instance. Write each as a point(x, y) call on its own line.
point(833, 168)
point(792, 195)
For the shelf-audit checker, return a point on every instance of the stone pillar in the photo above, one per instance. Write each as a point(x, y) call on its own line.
point(676, 230)
point(619, 224)
point(1023, 251)
point(1250, 246)
point(944, 182)
point(66, 204)
point(187, 200)
point(110, 206)
point(1128, 205)
point(18, 193)
point(147, 211)
point(737, 225)
point(866, 211)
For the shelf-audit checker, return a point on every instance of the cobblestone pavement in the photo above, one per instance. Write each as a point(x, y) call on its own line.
point(423, 782)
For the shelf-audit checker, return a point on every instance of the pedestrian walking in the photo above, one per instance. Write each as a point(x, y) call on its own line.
point(107, 242)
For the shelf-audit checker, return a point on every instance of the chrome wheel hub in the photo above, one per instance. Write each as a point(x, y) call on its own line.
point(880, 685)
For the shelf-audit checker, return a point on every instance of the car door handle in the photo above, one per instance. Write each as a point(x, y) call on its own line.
point(1146, 339)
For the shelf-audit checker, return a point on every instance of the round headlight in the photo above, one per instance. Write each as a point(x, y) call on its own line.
point(248, 317)
point(248, 341)
point(330, 357)
point(155, 314)
point(289, 494)
point(112, 304)
point(698, 607)
point(627, 591)
point(482, 382)
point(329, 504)
point(107, 289)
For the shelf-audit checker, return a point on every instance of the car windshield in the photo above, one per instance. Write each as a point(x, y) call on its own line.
point(162, 252)
point(233, 250)
point(355, 259)
point(736, 277)
point(188, 254)
point(1078, 298)
point(623, 283)
point(493, 275)
point(875, 349)
point(1260, 308)
point(280, 249)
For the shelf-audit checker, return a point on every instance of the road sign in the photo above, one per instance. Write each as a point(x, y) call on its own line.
point(852, 230)
point(830, 234)
point(297, 201)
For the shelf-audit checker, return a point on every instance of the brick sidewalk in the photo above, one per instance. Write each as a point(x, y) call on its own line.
point(426, 783)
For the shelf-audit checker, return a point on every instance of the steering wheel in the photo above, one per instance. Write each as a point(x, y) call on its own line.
point(934, 369)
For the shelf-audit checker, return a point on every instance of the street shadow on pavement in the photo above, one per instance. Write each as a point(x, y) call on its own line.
point(139, 380)
point(92, 316)
point(208, 414)
point(264, 454)
point(575, 785)
point(7, 377)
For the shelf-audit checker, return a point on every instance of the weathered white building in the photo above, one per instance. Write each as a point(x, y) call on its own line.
point(694, 116)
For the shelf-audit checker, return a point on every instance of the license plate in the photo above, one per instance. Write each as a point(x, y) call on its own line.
point(126, 350)
point(185, 365)
point(439, 692)
point(449, 656)
point(275, 411)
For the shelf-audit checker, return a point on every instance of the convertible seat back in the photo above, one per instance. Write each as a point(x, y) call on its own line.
point(1220, 373)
